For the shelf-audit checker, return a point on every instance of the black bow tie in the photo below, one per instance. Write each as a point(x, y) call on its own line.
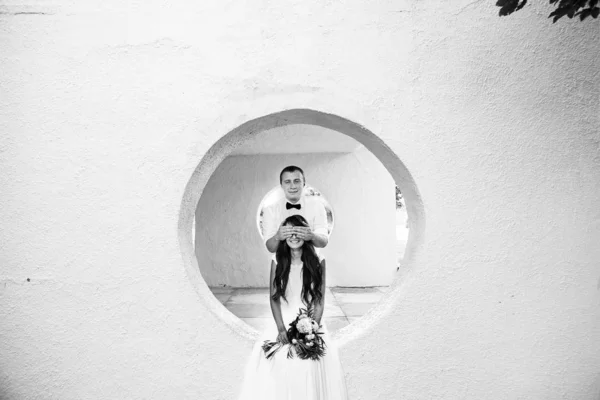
point(290, 205)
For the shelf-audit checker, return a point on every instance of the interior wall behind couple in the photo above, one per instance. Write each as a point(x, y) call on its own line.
point(362, 246)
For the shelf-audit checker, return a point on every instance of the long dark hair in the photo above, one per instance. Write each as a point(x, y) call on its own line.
point(311, 268)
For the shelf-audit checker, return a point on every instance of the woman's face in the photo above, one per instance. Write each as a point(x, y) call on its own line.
point(294, 242)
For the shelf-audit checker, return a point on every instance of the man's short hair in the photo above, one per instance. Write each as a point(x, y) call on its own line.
point(291, 168)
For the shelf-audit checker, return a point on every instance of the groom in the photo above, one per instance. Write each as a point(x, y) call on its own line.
point(292, 182)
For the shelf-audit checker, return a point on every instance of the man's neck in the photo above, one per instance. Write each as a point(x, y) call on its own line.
point(293, 201)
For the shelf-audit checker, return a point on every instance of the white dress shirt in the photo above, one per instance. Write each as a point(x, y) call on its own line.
point(310, 208)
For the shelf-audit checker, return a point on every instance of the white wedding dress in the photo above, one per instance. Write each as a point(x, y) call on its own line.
point(280, 378)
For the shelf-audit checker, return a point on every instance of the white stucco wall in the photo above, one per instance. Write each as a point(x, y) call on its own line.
point(106, 110)
point(362, 247)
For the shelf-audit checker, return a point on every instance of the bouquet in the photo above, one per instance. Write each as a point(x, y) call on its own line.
point(304, 337)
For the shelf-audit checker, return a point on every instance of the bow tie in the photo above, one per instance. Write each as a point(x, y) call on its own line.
point(290, 205)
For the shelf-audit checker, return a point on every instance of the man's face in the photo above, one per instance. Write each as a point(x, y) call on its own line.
point(292, 184)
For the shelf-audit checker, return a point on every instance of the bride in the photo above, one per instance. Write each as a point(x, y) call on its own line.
point(297, 281)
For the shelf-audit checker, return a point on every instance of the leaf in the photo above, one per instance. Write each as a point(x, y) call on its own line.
point(508, 7)
point(521, 5)
point(595, 12)
point(558, 14)
point(583, 14)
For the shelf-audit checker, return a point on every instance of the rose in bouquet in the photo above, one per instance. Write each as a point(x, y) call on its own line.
point(304, 336)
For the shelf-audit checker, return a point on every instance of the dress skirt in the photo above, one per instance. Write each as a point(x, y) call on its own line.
point(280, 378)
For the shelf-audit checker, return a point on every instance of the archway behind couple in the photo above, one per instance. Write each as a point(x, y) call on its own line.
point(367, 246)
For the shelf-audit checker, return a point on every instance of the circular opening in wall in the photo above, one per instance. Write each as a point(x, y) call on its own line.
point(364, 181)
point(276, 195)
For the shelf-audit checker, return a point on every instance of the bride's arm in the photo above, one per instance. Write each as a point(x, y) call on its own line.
point(276, 307)
point(320, 306)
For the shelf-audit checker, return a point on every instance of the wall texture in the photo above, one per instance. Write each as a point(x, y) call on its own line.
point(362, 246)
point(107, 108)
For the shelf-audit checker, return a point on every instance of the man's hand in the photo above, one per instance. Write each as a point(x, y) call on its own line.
point(284, 232)
point(303, 232)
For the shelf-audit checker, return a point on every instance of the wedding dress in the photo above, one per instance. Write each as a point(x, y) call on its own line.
point(280, 378)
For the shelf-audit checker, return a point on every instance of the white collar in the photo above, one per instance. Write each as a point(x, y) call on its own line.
point(300, 201)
